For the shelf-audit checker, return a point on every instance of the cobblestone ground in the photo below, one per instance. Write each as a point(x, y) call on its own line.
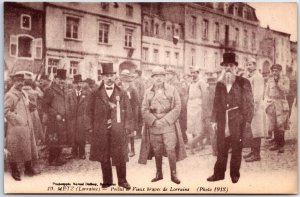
point(275, 173)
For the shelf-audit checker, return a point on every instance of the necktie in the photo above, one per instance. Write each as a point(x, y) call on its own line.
point(109, 88)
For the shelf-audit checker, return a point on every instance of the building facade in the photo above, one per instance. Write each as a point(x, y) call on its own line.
point(23, 37)
point(294, 60)
point(82, 36)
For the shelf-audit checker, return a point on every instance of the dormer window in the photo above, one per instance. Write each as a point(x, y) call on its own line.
point(235, 10)
point(226, 6)
point(245, 12)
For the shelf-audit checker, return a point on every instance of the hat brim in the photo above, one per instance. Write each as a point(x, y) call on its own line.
point(236, 63)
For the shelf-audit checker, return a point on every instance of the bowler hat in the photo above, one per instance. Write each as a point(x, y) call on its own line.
point(77, 78)
point(107, 68)
point(276, 66)
point(229, 58)
point(61, 74)
point(125, 75)
point(158, 71)
point(17, 77)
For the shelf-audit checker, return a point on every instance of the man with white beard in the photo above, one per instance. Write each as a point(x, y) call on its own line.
point(232, 114)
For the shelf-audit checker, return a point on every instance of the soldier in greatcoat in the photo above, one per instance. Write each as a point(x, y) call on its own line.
point(20, 143)
point(277, 107)
point(77, 102)
point(126, 79)
point(232, 115)
point(161, 108)
point(55, 105)
point(110, 116)
point(257, 126)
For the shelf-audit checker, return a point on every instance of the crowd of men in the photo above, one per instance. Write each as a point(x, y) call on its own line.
point(169, 115)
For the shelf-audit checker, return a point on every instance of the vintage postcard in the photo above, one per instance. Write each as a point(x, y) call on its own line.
point(150, 98)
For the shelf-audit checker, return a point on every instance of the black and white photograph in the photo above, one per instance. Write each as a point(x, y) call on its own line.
point(150, 97)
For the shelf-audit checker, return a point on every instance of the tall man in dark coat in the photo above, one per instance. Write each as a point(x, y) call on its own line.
point(55, 105)
point(110, 116)
point(77, 101)
point(232, 113)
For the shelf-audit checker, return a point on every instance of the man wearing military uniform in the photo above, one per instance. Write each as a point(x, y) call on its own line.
point(56, 107)
point(277, 106)
point(110, 116)
point(161, 108)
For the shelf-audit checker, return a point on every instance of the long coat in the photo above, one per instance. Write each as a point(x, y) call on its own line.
point(171, 117)
point(100, 106)
point(240, 95)
point(55, 103)
point(257, 85)
point(20, 140)
point(77, 117)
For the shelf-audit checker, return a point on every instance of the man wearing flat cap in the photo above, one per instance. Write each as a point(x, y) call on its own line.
point(277, 107)
point(232, 114)
point(20, 143)
point(110, 116)
point(162, 136)
point(55, 105)
point(77, 101)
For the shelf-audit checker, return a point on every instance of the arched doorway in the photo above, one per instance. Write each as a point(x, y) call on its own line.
point(266, 69)
point(127, 65)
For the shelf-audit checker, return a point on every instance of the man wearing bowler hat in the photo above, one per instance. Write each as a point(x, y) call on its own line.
point(232, 114)
point(110, 116)
point(77, 101)
point(56, 107)
point(277, 107)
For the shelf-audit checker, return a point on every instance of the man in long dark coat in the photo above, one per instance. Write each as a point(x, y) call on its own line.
point(232, 113)
point(110, 116)
point(55, 105)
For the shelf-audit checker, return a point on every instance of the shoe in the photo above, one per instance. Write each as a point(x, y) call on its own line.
point(252, 158)
point(248, 155)
point(214, 178)
point(106, 185)
point(158, 177)
point(125, 185)
point(16, 175)
point(235, 179)
point(174, 178)
point(131, 154)
point(273, 148)
point(281, 150)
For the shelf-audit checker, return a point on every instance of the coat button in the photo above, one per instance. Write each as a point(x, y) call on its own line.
point(227, 105)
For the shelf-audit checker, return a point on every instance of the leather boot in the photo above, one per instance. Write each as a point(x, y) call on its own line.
point(15, 173)
point(159, 175)
point(29, 170)
point(172, 163)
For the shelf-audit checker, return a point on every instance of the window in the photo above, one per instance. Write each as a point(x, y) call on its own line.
point(73, 68)
point(169, 32)
point(156, 30)
point(13, 45)
point(146, 27)
point(52, 66)
point(145, 54)
point(205, 29)
point(25, 46)
point(237, 36)
point(245, 12)
point(168, 59)
point(72, 27)
point(105, 6)
point(226, 8)
point(253, 41)
point(128, 37)
point(216, 59)
point(194, 23)
point(177, 58)
point(235, 11)
point(245, 39)
point(193, 62)
point(217, 31)
point(103, 33)
point(129, 10)
point(38, 48)
point(25, 22)
point(155, 55)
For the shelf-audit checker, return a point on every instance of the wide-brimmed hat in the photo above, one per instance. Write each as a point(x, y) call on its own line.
point(158, 71)
point(276, 66)
point(125, 75)
point(61, 74)
point(107, 68)
point(229, 58)
point(17, 77)
point(77, 78)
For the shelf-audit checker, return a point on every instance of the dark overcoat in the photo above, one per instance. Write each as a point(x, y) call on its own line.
point(240, 95)
point(55, 103)
point(101, 108)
